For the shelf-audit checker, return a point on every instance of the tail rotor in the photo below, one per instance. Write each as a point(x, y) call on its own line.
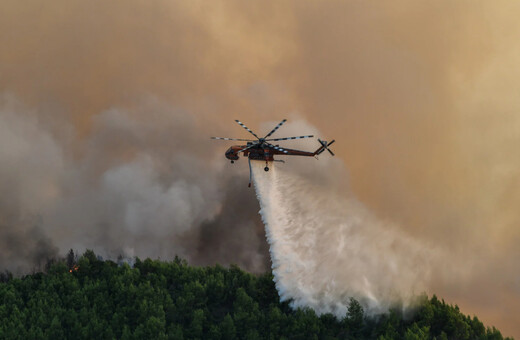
point(325, 146)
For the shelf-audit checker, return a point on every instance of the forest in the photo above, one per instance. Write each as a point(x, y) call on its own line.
point(86, 297)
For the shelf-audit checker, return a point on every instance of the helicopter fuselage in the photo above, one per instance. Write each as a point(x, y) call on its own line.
point(262, 153)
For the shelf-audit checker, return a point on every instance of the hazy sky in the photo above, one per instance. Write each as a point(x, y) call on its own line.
point(106, 108)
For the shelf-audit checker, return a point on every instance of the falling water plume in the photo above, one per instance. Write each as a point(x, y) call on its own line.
point(325, 249)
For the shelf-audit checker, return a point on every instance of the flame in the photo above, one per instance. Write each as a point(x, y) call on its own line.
point(75, 268)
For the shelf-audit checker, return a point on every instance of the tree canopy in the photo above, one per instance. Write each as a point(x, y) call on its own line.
point(88, 298)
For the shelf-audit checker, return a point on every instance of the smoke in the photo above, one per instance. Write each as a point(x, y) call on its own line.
point(144, 186)
point(28, 183)
point(420, 96)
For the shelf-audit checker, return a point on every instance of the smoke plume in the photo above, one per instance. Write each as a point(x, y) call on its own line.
point(107, 106)
point(144, 186)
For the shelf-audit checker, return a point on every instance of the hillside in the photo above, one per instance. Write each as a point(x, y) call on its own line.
point(88, 298)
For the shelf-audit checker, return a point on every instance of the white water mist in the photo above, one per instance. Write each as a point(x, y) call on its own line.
point(326, 249)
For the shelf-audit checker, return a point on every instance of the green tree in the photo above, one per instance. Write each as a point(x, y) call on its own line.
point(227, 328)
point(55, 331)
point(417, 333)
point(246, 313)
point(196, 328)
point(354, 319)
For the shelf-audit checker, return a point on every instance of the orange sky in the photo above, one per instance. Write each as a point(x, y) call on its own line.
point(420, 96)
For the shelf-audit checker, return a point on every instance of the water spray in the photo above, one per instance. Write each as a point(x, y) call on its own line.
point(325, 249)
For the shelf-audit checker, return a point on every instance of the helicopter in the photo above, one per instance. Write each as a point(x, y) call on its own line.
point(260, 149)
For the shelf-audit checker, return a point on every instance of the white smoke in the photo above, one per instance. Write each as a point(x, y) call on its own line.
point(145, 181)
point(326, 249)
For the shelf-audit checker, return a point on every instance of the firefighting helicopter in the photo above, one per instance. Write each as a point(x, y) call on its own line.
point(261, 150)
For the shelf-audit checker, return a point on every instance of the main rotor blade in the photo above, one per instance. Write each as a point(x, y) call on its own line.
point(275, 128)
point(277, 148)
point(287, 138)
point(247, 147)
point(245, 127)
point(225, 138)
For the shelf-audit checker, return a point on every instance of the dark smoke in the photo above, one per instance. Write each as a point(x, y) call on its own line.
point(148, 183)
point(26, 250)
point(236, 235)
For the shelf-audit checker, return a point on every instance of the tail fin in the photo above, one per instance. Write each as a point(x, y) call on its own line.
point(324, 146)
